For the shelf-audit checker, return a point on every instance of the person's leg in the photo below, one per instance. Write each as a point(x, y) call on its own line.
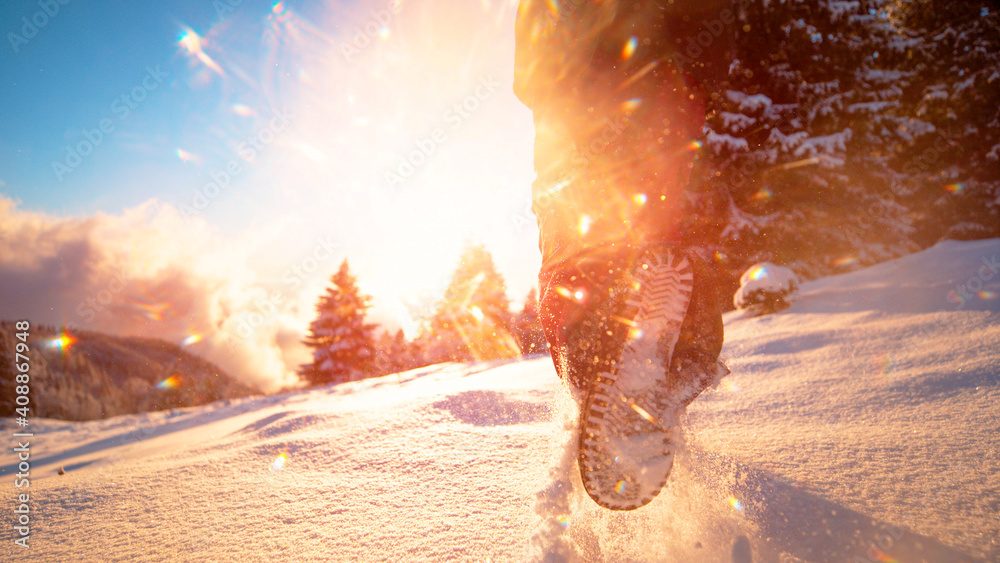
point(611, 173)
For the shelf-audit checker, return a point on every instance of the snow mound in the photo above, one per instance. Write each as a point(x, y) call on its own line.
point(765, 288)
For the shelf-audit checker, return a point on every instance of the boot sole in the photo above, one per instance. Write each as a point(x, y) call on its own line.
point(627, 435)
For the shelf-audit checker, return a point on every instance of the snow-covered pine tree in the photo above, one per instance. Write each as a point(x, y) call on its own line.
point(795, 151)
point(393, 353)
point(342, 343)
point(952, 163)
point(527, 327)
point(473, 320)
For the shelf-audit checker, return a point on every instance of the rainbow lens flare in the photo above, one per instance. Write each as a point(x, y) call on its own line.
point(186, 156)
point(735, 503)
point(191, 339)
point(172, 382)
point(242, 110)
point(629, 49)
point(153, 310)
point(620, 487)
point(845, 261)
point(956, 188)
point(628, 106)
point(63, 342)
point(191, 42)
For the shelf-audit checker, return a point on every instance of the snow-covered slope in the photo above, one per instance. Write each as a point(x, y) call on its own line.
point(862, 418)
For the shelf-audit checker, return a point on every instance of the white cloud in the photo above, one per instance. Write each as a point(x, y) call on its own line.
point(147, 272)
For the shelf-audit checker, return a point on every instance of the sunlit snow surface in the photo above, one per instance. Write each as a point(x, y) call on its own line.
point(860, 424)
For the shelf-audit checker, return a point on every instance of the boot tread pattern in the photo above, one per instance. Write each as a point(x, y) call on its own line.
point(626, 447)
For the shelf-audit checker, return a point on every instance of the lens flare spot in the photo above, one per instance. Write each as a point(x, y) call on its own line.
point(628, 106)
point(625, 321)
point(882, 556)
point(172, 382)
point(694, 146)
point(578, 295)
point(186, 156)
point(279, 7)
point(584, 226)
point(383, 32)
point(620, 487)
point(642, 412)
point(639, 199)
point(63, 342)
point(191, 339)
point(192, 43)
point(153, 310)
point(763, 194)
point(730, 386)
point(955, 188)
point(478, 313)
point(735, 503)
point(629, 49)
point(758, 273)
point(242, 110)
point(563, 520)
point(987, 295)
point(845, 261)
point(279, 463)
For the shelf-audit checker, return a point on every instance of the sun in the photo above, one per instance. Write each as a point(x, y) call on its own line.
point(405, 142)
point(403, 145)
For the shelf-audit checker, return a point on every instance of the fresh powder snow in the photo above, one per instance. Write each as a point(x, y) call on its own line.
point(860, 424)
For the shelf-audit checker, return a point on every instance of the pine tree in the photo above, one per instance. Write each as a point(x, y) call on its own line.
point(343, 345)
point(952, 163)
point(797, 151)
point(394, 354)
point(473, 321)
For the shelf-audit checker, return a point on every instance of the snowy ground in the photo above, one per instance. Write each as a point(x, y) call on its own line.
point(861, 424)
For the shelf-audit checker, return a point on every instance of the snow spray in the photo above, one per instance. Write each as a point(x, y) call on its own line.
point(550, 542)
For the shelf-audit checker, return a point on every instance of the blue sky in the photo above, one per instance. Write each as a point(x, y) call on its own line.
point(84, 66)
point(384, 133)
